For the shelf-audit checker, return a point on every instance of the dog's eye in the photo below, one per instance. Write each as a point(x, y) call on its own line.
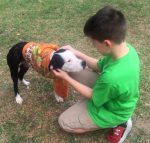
point(69, 61)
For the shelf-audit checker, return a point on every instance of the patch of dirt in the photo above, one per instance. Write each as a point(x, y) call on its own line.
point(143, 124)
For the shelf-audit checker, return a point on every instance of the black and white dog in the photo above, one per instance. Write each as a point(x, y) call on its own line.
point(60, 59)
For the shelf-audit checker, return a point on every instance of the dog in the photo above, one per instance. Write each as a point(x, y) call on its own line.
point(43, 57)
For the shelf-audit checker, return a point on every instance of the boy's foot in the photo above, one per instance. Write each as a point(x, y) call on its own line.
point(119, 133)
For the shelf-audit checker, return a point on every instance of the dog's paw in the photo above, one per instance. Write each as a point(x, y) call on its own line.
point(58, 98)
point(19, 100)
point(26, 83)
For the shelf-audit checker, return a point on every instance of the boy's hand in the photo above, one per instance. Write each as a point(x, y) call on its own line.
point(68, 47)
point(59, 73)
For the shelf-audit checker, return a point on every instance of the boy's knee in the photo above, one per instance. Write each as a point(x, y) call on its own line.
point(60, 121)
point(63, 123)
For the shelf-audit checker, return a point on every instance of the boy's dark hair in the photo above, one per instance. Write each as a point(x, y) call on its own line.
point(107, 24)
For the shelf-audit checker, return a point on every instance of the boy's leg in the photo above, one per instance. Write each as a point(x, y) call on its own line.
point(76, 119)
point(86, 77)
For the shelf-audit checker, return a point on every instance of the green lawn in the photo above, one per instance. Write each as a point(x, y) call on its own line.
point(61, 22)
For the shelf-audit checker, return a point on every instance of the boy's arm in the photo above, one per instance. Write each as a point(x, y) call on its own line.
point(91, 62)
point(81, 88)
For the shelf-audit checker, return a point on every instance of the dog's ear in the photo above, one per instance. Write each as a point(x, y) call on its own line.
point(60, 50)
point(56, 62)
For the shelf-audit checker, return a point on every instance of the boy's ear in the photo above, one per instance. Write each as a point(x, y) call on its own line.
point(108, 43)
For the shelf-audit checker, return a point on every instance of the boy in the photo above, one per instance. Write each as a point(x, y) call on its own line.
point(111, 96)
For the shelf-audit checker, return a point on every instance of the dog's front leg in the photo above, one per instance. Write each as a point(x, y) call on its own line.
point(60, 89)
point(58, 98)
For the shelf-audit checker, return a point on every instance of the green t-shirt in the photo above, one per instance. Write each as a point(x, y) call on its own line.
point(116, 91)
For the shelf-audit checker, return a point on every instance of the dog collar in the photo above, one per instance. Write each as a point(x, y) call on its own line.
point(51, 55)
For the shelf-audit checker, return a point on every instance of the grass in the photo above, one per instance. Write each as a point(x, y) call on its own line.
point(62, 22)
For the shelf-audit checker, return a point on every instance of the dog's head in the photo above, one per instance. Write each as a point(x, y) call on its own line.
point(67, 61)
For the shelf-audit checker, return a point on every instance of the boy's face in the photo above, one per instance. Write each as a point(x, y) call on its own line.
point(103, 48)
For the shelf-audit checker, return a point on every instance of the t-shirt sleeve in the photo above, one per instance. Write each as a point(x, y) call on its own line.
point(100, 63)
point(102, 93)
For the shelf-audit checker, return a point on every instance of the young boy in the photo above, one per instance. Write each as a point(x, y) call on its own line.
point(110, 85)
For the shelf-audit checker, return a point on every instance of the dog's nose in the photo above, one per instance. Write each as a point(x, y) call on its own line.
point(83, 63)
